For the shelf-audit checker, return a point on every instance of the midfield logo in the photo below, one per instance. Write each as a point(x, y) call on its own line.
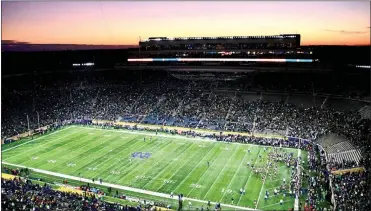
point(141, 155)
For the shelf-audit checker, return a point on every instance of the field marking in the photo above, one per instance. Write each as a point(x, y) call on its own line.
point(43, 136)
point(181, 137)
point(261, 189)
point(226, 164)
point(98, 159)
point(251, 173)
point(152, 164)
point(47, 155)
point(167, 166)
point(186, 162)
point(121, 187)
point(193, 169)
point(126, 167)
point(148, 161)
point(275, 204)
point(134, 132)
point(74, 144)
point(243, 159)
point(37, 152)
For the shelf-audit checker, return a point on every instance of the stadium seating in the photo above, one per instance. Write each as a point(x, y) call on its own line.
point(195, 105)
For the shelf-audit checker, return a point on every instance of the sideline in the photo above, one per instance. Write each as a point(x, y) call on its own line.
point(176, 136)
point(137, 190)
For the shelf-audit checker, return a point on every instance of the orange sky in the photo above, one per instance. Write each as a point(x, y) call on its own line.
point(121, 23)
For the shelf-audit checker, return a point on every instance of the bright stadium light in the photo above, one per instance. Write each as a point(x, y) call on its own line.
point(217, 60)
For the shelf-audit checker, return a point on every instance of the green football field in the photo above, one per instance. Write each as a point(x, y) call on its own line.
point(165, 164)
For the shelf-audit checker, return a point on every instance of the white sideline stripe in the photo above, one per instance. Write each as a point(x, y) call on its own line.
point(43, 136)
point(177, 136)
point(275, 204)
point(121, 187)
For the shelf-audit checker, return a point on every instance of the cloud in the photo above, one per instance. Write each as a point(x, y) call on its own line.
point(13, 42)
point(346, 32)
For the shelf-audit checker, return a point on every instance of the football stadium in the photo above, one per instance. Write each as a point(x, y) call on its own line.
point(198, 132)
point(187, 123)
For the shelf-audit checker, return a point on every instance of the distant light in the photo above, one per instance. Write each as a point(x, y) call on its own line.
point(217, 60)
point(363, 66)
point(83, 64)
point(88, 64)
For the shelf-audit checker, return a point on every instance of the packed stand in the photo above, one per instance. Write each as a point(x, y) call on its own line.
point(19, 194)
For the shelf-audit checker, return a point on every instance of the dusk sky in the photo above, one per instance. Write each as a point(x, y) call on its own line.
point(121, 23)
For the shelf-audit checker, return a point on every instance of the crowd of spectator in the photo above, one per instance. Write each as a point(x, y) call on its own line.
point(191, 105)
point(351, 191)
point(22, 194)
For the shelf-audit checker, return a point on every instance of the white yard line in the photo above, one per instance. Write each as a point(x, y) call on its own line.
point(52, 155)
point(203, 174)
point(48, 142)
point(261, 189)
point(159, 173)
point(43, 136)
point(193, 169)
point(133, 166)
point(176, 171)
point(243, 159)
point(251, 173)
point(221, 171)
point(157, 162)
point(127, 165)
point(98, 158)
point(275, 204)
point(121, 187)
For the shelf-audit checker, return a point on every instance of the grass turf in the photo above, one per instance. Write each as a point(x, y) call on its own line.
point(176, 164)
